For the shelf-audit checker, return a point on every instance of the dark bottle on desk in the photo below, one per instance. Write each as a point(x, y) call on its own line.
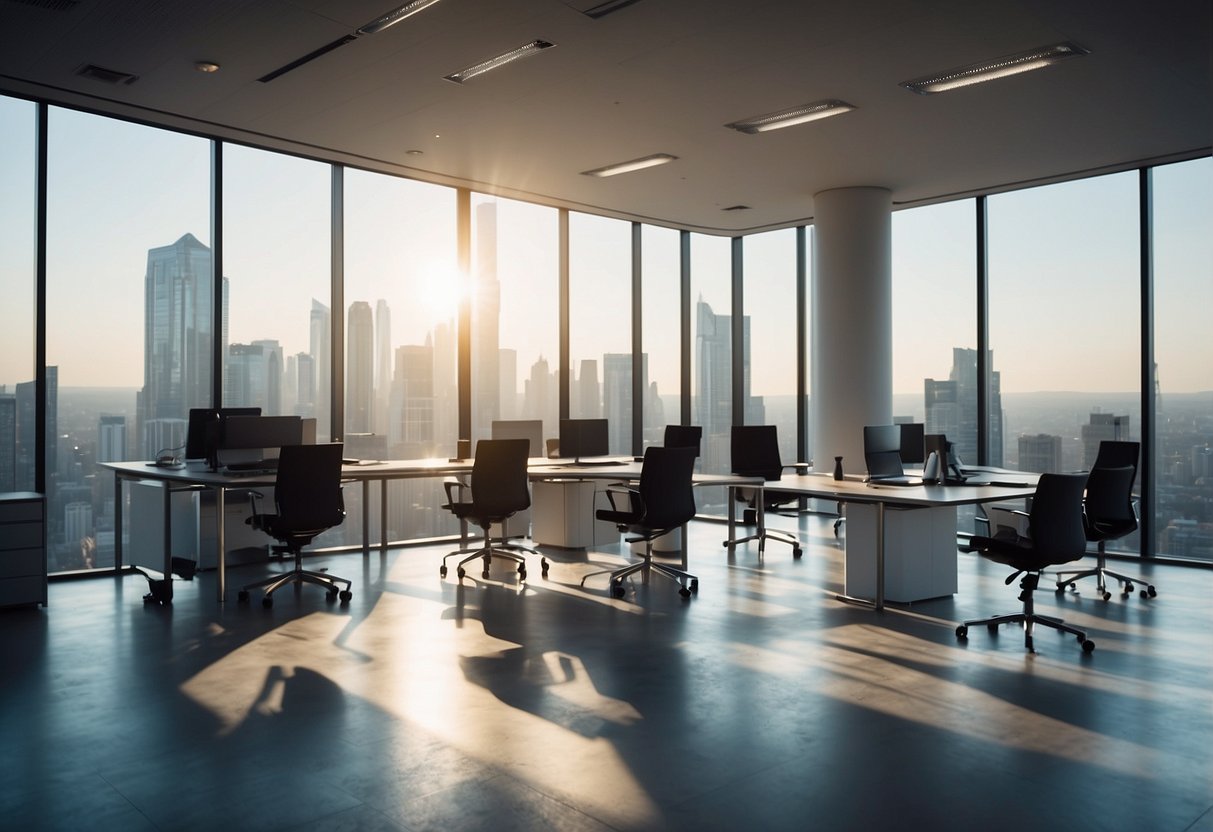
point(837, 467)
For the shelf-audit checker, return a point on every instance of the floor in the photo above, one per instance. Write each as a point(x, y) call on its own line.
point(760, 704)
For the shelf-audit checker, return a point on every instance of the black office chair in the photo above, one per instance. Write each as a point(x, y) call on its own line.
point(754, 452)
point(661, 502)
point(308, 501)
point(1109, 514)
point(499, 489)
point(683, 436)
point(1056, 536)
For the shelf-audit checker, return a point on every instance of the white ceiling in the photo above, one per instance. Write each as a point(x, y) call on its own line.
point(658, 76)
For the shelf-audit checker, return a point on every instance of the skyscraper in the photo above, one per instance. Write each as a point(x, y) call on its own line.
point(586, 396)
point(617, 397)
point(360, 368)
point(318, 346)
point(951, 407)
point(1040, 453)
point(1101, 426)
point(383, 365)
point(8, 443)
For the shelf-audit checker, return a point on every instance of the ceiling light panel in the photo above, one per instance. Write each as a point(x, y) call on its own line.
point(524, 51)
point(792, 116)
point(998, 68)
point(395, 16)
point(629, 166)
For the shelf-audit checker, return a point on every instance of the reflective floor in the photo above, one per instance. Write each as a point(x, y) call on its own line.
point(761, 704)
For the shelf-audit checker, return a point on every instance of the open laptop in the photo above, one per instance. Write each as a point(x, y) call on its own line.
point(882, 455)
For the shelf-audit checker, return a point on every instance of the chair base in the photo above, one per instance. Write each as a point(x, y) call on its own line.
point(1029, 618)
point(688, 584)
point(762, 534)
point(486, 552)
point(298, 575)
point(1102, 573)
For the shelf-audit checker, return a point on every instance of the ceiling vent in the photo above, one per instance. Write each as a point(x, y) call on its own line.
point(50, 5)
point(107, 76)
point(308, 58)
point(736, 208)
point(598, 8)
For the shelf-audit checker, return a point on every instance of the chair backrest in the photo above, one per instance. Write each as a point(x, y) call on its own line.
point(754, 451)
point(683, 436)
point(499, 480)
point(1055, 521)
point(1117, 454)
point(307, 491)
point(665, 487)
point(1109, 498)
point(528, 429)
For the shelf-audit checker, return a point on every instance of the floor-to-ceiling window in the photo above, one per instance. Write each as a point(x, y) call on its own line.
point(600, 324)
point(17, 282)
point(515, 314)
point(660, 329)
point(130, 322)
point(1183, 352)
point(712, 358)
point(769, 297)
point(1065, 320)
point(935, 324)
point(402, 288)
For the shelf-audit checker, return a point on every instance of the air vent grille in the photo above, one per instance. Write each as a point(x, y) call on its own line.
point(49, 5)
point(106, 76)
point(736, 208)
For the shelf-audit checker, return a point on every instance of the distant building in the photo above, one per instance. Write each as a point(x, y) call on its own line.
point(951, 407)
point(360, 368)
point(1040, 453)
point(1101, 426)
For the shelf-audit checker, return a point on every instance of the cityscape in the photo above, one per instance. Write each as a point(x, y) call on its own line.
point(401, 401)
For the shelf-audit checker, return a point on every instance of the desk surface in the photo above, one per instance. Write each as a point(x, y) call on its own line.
point(824, 486)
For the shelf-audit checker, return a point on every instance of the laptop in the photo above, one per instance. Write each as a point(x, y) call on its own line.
point(882, 455)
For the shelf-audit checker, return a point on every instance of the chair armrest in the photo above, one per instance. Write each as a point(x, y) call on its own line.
point(452, 485)
point(619, 490)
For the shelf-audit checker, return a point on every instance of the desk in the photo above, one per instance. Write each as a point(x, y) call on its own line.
point(823, 486)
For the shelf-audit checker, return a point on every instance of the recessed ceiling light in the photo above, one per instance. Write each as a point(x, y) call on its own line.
point(634, 164)
point(395, 16)
point(501, 60)
point(414, 152)
point(792, 115)
point(206, 66)
point(963, 76)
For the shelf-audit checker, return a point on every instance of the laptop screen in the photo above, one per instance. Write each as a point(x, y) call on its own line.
point(882, 450)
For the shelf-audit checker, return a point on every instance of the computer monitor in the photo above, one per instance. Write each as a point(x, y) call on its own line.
point(203, 429)
point(882, 450)
point(528, 429)
point(940, 457)
point(260, 436)
point(584, 438)
point(912, 434)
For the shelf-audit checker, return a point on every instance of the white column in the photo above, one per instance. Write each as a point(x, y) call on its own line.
point(852, 322)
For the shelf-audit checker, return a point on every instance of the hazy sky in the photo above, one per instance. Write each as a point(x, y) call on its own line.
point(1063, 266)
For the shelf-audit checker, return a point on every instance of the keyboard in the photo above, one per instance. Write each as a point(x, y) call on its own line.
point(255, 466)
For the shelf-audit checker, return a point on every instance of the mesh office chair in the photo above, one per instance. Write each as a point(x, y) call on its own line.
point(754, 451)
point(1056, 536)
point(308, 501)
point(1109, 514)
point(498, 489)
point(662, 501)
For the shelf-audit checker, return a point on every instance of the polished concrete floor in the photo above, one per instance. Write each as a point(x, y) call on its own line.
point(761, 704)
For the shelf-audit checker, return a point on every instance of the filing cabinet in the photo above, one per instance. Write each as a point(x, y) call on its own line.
point(22, 548)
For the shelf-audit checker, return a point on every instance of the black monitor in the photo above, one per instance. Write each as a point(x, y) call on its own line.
point(583, 438)
point(912, 452)
point(250, 439)
point(882, 450)
point(204, 428)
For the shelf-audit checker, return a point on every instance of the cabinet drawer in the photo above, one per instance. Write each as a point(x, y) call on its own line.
point(18, 563)
point(23, 591)
point(20, 535)
point(16, 511)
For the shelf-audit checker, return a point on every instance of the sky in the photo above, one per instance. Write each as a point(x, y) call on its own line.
point(1063, 266)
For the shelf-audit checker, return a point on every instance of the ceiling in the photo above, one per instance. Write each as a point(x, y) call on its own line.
point(655, 76)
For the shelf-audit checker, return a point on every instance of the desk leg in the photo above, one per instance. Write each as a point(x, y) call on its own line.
point(221, 555)
point(167, 598)
point(732, 512)
point(877, 603)
point(383, 515)
point(117, 522)
point(366, 517)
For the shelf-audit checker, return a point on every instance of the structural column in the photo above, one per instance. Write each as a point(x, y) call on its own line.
point(852, 322)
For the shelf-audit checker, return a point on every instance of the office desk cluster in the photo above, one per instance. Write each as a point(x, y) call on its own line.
point(883, 501)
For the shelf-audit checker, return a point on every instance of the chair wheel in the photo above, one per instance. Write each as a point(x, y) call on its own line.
point(684, 592)
point(1107, 595)
point(1060, 589)
point(267, 601)
point(442, 571)
point(345, 595)
point(617, 590)
point(695, 585)
point(1073, 586)
point(521, 574)
point(993, 628)
point(460, 572)
point(485, 574)
point(797, 552)
point(1150, 591)
point(242, 596)
point(331, 595)
point(543, 566)
point(1088, 646)
point(962, 632)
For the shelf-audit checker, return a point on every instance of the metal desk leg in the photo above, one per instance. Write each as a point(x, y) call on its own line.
point(366, 517)
point(167, 597)
point(877, 603)
point(383, 515)
point(732, 512)
point(221, 555)
point(117, 521)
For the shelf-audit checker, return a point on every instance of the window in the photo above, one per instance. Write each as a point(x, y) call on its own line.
point(712, 359)
point(660, 329)
point(1183, 351)
point(769, 269)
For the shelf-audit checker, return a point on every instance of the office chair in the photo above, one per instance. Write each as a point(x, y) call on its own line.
point(499, 489)
point(754, 451)
point(683, 436)
point(1110, 513)
point(307, 498)
point(1056, 536)
point(661, 502)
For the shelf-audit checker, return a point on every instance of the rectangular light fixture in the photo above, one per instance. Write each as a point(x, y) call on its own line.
point(492, 63)
point(395, 16)
point(977, 73)
point(792, 115)
point(635, 164)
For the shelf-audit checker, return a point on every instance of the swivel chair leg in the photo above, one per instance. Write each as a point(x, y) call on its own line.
point(1102, 573)
point(330, 583)
point(486, 552)
point(1029, 618)
point(688, 583)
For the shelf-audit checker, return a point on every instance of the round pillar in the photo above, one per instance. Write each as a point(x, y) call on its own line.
point(852, 322)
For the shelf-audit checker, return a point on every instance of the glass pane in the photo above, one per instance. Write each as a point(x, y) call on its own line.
point(712, 367)
point(1183, 296)
point(402, 293)
point(515, 314)
point(935, 325)
point(770, 333)
point(129, 313)
point(17, 276)
point(1065, 321)
point(660, 333)
point(600, 324)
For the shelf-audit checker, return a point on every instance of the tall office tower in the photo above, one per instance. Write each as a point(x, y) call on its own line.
point(178, 331)
point(486, 314)
point(617, 397)
point(111, 439)
point(654, 413)
point(539, 400)
point(1040, 453)
point(951, 407)
point(319, 334)
point(1202, 463)
point(8, 443)
point(244, 377)
point(290, 386)
point(446, 387)
point(383, 365)
point(507, 361)
point(274, 371)
point(304, 375)
point(586, 396)
point(411, 433)
point(1100, 427)
point(27, 435)
point(714, 379)
point(359, 368)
